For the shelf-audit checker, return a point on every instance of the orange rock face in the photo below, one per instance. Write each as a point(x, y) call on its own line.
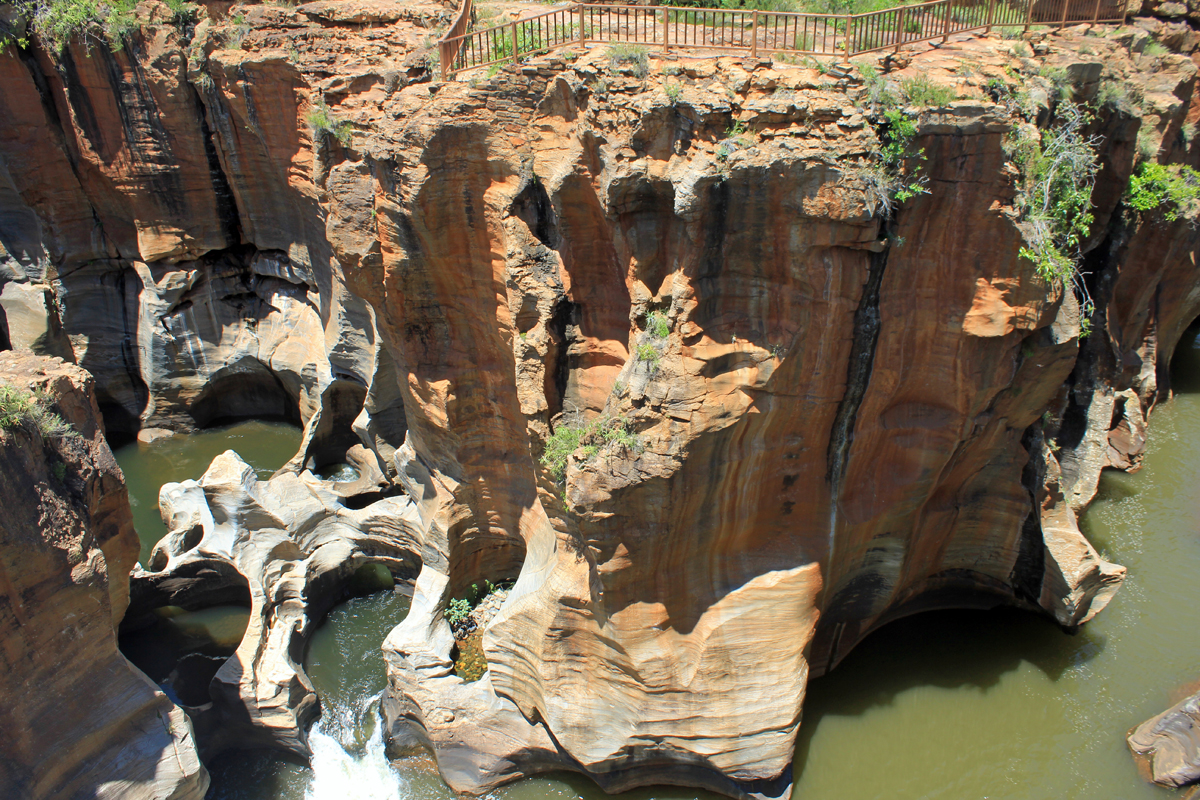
point(80, 720)
point(797, 417)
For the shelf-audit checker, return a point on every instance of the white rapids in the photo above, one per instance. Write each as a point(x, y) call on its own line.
point(339, 773)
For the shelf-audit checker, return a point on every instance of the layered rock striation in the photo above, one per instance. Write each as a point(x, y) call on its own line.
point(78, 720)
point(798, 417)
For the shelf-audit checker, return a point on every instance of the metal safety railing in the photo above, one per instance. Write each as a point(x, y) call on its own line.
point(753, 31)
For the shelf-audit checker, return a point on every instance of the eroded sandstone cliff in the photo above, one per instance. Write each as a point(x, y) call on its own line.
point(802, 418)
point(78, 720)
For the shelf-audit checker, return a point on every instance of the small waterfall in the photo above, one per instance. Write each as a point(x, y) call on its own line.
point(346, 768)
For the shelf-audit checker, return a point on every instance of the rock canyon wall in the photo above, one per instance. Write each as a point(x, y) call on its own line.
point(797, 417)
point(78, 720)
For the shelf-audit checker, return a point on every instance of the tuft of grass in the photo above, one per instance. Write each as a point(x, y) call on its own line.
point(921, 91)
point(587, 440)
point(1059, 80)
point(19, 407)
point(559, 447)
point(674, 91)
point(1119, 95)
point(322, 120)
point(1155, 50)
point(648, 354)
point(1147, 147)
point(635, 55)
point(877, 94)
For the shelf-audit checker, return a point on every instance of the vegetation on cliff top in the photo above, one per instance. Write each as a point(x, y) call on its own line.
point(18, 407)
point(55, 22)
point(1058, 170)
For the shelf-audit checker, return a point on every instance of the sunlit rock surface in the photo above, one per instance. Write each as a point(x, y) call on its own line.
point(289, 548)
point(851, 417)
point(78, 720)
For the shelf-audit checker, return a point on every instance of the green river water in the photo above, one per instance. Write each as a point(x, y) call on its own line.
point(947, 705)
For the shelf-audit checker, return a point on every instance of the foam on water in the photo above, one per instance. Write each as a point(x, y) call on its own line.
point(339, 773)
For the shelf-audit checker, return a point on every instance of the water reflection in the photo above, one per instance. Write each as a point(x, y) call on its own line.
point(182, 650)
point(264, 445)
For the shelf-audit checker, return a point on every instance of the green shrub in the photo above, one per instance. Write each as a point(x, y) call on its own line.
point(648, 354)
point(892, 178)
point(1172, 190)
point(657, 325)
point(921, 91)
point(184, 11)
point(586, 439)
point(321, 120)
point(674, 91)
point(18, 407)
point(458, 611)
point(562, 443)
point(55, 22)
point(635, 55)
point(1058, 170)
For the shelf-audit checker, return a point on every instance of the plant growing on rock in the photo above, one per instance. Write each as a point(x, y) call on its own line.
point(657, 325)
point(586, 439)
point(1172, 190)
point(58, 21)
point(1155, 50)
point(1120, 95)
point(321, 120)
point(648, 354)
point(457, 611)
point(921, 91)
point(635, 55)
point(1058, 170)
point(562, 443)
point(18, 407)
point(892, 178)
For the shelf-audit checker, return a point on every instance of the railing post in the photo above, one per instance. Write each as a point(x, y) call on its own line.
point(754, 35)
point(666, 29)
point(513, 26)
point(1096, 14)
point(848, 18)
point(443, 48)
point(900, 31)
point(991, 15)
point(946, 30)
point(1028, 14)
point(1066, 8)
point(582, 38)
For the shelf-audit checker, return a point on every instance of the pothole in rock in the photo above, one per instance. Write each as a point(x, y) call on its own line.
point(182, 650)
point(339, 472)
point(468, 618)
